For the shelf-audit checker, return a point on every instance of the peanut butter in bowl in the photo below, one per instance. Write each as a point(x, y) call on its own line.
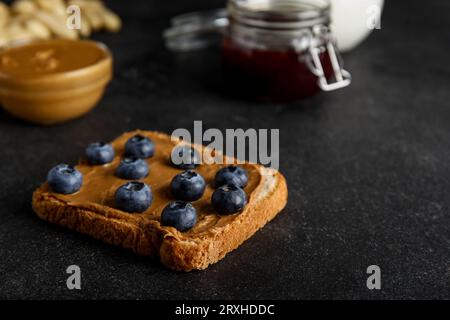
point(52, 81)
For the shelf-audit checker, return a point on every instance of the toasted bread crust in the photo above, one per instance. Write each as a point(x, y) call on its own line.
point(149, 238)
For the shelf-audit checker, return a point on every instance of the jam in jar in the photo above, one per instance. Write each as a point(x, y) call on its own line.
point(279, 50)
point(273, 75)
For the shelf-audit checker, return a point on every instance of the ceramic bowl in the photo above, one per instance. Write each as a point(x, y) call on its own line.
point(56, 97)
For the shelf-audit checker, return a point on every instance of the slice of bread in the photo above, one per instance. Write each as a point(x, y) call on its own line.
point(91, 210)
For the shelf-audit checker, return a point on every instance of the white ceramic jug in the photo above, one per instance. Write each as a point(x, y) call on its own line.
point(354, 20)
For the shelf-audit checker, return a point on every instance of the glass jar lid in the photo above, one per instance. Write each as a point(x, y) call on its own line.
point(196, 30)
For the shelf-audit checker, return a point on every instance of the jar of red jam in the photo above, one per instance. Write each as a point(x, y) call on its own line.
point(279, 50)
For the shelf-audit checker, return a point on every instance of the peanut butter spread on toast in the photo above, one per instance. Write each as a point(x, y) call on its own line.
point(100, 185)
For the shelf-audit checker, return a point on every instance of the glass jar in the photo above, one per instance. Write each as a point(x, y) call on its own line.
point(271, 50)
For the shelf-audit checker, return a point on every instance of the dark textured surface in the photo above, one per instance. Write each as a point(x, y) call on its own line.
point(368, 171)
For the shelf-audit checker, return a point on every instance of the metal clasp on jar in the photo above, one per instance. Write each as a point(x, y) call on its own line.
point(321, 40)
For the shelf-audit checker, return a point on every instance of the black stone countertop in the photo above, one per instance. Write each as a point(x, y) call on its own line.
point(368, 170)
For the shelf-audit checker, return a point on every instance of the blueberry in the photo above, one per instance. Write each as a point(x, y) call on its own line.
point(64, 179)
point(180, 215)
point(132, 168)
point(188, 186)
point(133, 196)
point(99, 153)
point(185, 157)
point(231, 175)
point(228, 199)
point(139, 147)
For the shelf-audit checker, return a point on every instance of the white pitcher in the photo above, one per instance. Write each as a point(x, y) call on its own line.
point(354, 20)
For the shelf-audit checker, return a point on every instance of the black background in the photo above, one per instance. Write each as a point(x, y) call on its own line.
point(367, 168)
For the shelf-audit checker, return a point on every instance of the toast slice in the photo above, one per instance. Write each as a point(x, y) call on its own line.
point(91, 210)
